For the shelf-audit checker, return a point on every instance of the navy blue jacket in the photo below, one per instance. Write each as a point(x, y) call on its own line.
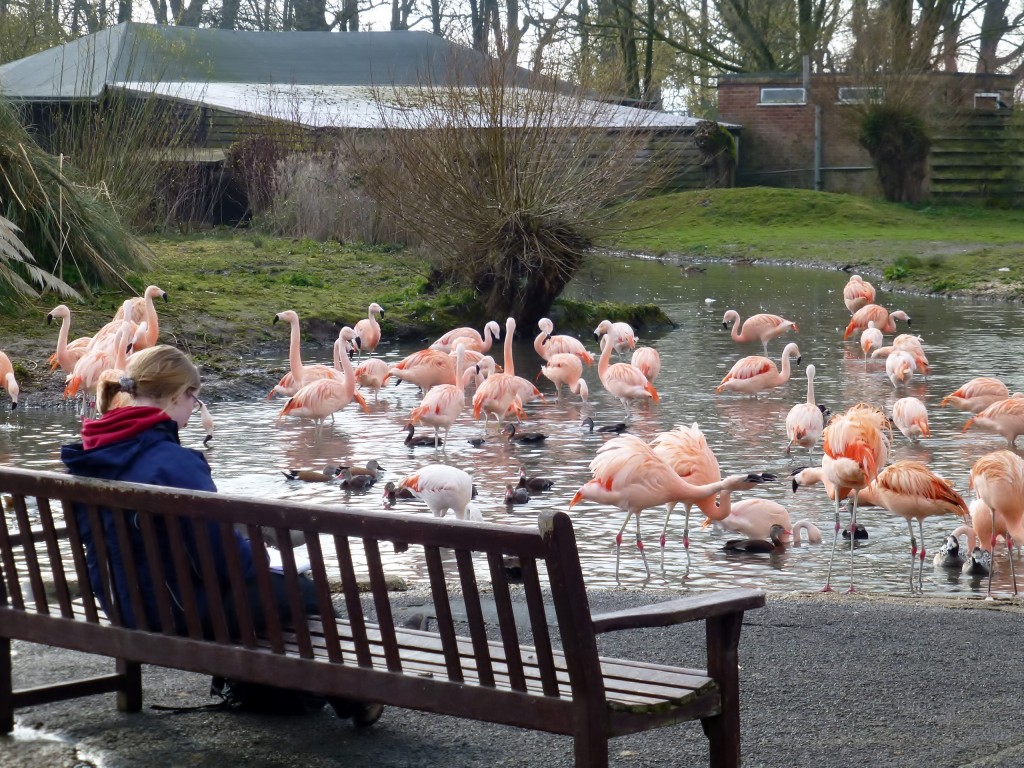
point(153, 456)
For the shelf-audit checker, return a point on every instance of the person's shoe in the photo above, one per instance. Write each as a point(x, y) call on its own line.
point(367, 713)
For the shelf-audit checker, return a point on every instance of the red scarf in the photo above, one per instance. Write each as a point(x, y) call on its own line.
point(120, 424)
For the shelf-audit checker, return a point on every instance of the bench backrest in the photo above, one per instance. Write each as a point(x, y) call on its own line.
point(46, 553)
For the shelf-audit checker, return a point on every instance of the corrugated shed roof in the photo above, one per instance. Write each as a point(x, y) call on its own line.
point(133, 52)
point(320, 79)
point(348, 106)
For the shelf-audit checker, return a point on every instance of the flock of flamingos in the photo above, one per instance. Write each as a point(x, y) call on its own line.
point(677, 467)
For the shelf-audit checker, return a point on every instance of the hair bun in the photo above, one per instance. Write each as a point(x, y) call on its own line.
point(127, 384)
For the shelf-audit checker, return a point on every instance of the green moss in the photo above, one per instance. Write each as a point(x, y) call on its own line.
point(581, 317)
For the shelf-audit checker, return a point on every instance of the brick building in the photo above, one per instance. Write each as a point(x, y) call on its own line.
point(805, 135)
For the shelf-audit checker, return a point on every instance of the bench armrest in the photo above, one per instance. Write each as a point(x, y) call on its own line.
point(679, 611)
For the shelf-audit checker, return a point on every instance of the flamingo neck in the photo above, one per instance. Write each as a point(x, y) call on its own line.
point(538, 345)
point(606, 356)
point(810, 392)
point(784, 375)
point(510, 366)
point(736, 335)
point(294, 355)
point(346, 366)
point(62, 336)
point(153, 329)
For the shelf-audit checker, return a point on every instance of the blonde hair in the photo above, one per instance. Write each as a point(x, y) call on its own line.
point(158, 373)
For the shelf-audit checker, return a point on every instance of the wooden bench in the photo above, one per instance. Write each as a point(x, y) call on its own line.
point(527, 671)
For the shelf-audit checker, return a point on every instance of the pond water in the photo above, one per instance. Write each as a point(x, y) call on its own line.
point(962, 340)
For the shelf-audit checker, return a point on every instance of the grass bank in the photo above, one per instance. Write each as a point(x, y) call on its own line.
point(225, 287)
point(931, 250)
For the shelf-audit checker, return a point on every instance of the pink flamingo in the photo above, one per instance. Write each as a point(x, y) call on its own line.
point(548, 345)
point(1004, 417)
point(805, 421)
point(907, 342)
point(622, 336)
point(441, 488)
point(911, 418)
point(368, 329)
point(67, 354)
point(628, 474)
point(648, 361)
point(912, 491)
point(8, 381)
point(426, 368)
point(900, 368)
point(813, 533)
point(442, 405)
point(93, 363)
point(622, 380)
point(372, 375)
point(977, 395)
point(762, 327)
point(754, 374)
point(998, 478)
point(754, 518)
point(562, 369)
point(686, 450)
point(470, 337)
point(855, 445)
point(871, 339)
point(143, 310)
point(884, 320)
point(298, 374)
point(858, 293)
point(321, 398)
point(206, 419)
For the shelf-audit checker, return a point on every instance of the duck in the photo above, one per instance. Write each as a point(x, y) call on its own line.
point(352, 482)
point(978, 563)
point(392, 494)
point(950, 555)
point(618, 427)
point(372, 469)
point(860, 535)
point(516, 495)
point(423, 441)
point(759, 546)
point(522, 437)
point(325, 475)
point(535, 483)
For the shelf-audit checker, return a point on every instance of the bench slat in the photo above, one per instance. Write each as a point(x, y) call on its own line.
point(323, 596)
point(382, 605)
point(443, 611)
point(539, 625)
point(103, 559)
point(239, 598)
point(81, 567)
point(353, 603)
point(51, 535)
point(296, 603)
point(28, 547)
point(506, 621)
point(475, 616)
point(130, 566)
point(268, 621)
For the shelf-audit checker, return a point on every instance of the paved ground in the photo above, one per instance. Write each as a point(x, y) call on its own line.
point(827, 681)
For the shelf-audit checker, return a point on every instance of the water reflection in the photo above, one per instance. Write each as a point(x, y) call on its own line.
point(249, 450)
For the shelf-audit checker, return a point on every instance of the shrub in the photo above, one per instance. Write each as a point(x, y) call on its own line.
point(896, 138)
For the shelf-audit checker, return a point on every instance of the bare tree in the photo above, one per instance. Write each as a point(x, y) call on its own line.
point(505, 185)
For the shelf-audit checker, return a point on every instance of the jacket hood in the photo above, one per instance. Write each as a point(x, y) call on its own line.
point(118, 444)
point(120, 424)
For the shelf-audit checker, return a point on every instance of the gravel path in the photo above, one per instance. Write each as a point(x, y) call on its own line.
point(828, 681)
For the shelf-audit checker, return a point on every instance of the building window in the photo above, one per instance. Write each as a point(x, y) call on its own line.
point(860, 95)
point(783, 96)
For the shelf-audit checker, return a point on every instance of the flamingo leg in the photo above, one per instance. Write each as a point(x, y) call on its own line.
point(853, 537)
point(992, 562)
point(913, 552)
point(1009, 553)
point(835, 538)
point(921, 556)
point(664, 528)
point(640, 546)
point(618, 543)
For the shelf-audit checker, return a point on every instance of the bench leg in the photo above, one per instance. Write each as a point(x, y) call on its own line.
point(6, 688)
point(723, 731)
point(591, 749)
point(129, 696)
